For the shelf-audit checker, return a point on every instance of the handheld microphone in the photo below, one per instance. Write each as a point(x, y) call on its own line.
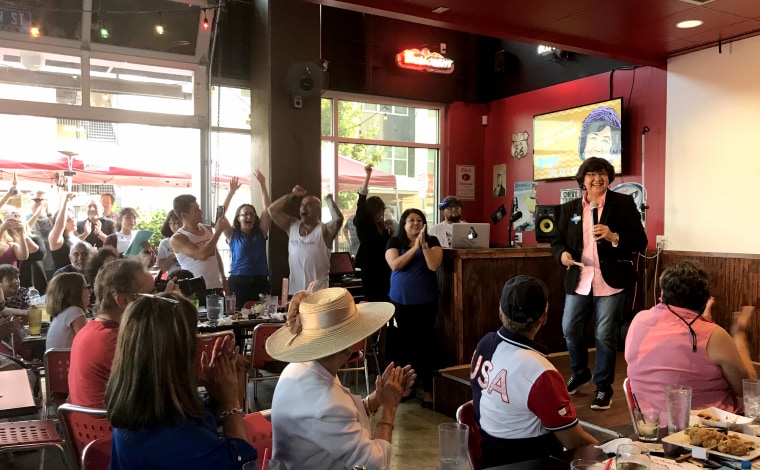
point(595, 214)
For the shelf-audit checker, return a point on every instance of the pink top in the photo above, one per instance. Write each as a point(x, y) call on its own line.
point(658, 350)
point(591, 276)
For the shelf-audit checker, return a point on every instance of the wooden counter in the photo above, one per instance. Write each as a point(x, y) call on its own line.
point(471, 283)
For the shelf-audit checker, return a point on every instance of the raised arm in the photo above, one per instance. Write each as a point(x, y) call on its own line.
point(265, 220)
point(20, 246)
point(181, 244)
point(722, 350)
point(12, 191)
point(277, 209)
point(55, 237)
point(365, 184)
point(234, 186)
point(331, 229)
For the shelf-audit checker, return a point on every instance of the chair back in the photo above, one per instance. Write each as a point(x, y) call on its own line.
point(250, 304)
point(466, 415)
point(258, 427)
point(56, 377)
point(206, 344)
point(629, 401)
point(97, 454)
point(82, 425)
point(260, 358)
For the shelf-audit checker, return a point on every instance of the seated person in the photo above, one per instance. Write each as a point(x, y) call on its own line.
point(79, 253)
point(152, 399)
point(519, 398)
point(316, 422)
point(672, 343)
point(15, 298)
point(93, 348)
point(67, 299)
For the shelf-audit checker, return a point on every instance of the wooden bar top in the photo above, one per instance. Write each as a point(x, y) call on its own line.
point(496, 252)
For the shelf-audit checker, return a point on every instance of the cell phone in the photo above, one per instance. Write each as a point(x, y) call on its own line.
point(219, 213)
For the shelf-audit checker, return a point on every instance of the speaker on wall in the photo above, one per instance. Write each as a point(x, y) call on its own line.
point(546, 223)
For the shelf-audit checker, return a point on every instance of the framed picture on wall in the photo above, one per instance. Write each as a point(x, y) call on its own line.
point(499, 178)
point(466, 182)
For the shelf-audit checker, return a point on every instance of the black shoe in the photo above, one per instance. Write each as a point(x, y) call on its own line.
point(577, 381)
point(602, 399)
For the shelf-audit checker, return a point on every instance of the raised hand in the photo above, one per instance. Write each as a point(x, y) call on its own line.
point(368, 169)
point(389, 392)
point(87, 227)
point(259, 176)
point(70, 196)
point(421, 238)
point(299, 191)
point(234, 184)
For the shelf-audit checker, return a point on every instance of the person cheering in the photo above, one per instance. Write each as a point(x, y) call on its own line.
point(596, 236)
point(373, 236)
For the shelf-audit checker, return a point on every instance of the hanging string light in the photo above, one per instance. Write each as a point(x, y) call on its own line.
point(160, 25)
point(34, 31)
point(205, 25)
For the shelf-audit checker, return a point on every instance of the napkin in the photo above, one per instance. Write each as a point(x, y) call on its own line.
point(610, 447)
point(225, 321)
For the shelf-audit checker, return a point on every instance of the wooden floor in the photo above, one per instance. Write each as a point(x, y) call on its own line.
point(452, 389)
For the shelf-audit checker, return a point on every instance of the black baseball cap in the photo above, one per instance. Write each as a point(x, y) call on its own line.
point(523, 298)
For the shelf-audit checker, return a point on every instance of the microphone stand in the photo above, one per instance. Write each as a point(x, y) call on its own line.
point(516, 215)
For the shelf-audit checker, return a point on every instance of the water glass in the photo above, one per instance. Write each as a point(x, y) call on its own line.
point(647, 423)
point(632, 457)
point(214, 306)
point(751, 391)
point(585, 464)
point(678, 407)
point(452, 441)
point(230, 304)
point(258, 464)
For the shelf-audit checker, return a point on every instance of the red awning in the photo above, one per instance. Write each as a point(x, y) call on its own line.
point(351, 175)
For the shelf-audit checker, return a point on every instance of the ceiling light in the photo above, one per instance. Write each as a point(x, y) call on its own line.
point(441, 10)
point(159, 28)
point(34, 31)
point(689, 24)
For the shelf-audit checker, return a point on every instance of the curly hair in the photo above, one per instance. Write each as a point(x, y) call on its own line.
point(685, 284)
point(597, 120)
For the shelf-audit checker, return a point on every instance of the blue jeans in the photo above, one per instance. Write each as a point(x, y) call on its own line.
point(578, 310)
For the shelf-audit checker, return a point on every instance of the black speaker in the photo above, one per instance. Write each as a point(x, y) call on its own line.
point(546, 223)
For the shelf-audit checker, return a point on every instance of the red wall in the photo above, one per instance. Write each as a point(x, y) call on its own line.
point(643, 91)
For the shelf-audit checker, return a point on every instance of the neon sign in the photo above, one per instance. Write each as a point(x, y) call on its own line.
point(425, 61)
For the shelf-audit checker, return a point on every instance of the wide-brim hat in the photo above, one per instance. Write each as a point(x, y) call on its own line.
point(327, 321)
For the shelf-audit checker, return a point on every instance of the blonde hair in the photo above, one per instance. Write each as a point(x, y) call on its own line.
point(64, 291)
point(153, 378)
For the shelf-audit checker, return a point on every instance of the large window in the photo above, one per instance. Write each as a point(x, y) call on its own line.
point(401, 141)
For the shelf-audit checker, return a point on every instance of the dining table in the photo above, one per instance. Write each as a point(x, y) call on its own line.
point(16, 398)
point(241, 327)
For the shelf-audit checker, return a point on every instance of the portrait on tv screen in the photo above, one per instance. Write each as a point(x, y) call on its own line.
point(563, 139)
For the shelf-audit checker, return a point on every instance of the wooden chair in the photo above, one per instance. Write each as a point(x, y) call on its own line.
point(466, 415)
point(56, 378)
point(97, 454)
point(260, 360)
point(358, 362)
point(81, 426)
point(258, 427)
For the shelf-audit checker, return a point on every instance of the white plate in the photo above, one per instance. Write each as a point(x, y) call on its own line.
point(725, 420)
point(682, 439)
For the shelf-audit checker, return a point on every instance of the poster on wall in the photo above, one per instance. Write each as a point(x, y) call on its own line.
point(466, 182)
point(525, 198)
point(567, 195)
point(499, 176)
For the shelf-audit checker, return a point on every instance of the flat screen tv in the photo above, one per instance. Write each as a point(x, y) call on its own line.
point(563, 139)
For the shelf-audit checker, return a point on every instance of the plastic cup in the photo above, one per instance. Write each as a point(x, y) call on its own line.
point(678, 407)
point(632, 457)
point(751, 390)
point(258, 464)
point(647, 424)
point(230, 304)
point(452, 440)
point(34, 316)
point(214, 306)
point(585, 464)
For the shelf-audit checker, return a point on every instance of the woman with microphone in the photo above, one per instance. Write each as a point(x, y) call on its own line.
point(597, 235)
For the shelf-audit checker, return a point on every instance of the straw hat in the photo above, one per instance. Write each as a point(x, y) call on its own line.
point(324, 323)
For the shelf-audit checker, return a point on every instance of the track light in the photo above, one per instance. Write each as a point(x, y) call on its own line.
point(160, 26)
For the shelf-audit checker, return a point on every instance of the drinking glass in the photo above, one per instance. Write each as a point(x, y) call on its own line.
point(452, 441)
point(34, 317)
point(632, 457)
point(214, 308)
point(230, 304)
point(647, 423)
point(751, 390)
point(258, 464)
point(678, 407)
point(585, 464)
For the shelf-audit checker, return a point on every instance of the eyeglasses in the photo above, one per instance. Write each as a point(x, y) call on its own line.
point(247, 214)
point(38, 200)
point(594, 174)
point(171, 301)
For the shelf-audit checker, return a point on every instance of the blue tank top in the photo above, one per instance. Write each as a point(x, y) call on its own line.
point(249, 254)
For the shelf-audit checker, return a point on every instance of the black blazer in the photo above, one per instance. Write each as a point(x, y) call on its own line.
point(622, 217)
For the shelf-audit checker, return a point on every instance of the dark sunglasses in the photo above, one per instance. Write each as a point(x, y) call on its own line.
point(38, 200)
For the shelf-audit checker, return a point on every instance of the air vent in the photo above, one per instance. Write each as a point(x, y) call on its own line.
point(697, 2)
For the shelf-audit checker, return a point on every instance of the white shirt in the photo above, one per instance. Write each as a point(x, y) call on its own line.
point(208, 268)
point(318, 423)
point(61, 334)
point(308, 258)
point(443, 232)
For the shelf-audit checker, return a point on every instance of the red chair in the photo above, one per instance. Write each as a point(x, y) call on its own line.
point(629, 401)
point(206, 344)
point(466, 415)
point(258, 427)
point(97, 455)
point(260, 359)
point(56, 378)
point(29, 435)
point(249, 304)
point(81, 426)
point(358, 362)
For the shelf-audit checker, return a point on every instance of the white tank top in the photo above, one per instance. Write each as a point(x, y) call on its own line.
point(208, 268)
point(308, 258)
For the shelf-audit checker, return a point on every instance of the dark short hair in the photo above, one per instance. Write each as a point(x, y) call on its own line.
point(110, 196)
point(401, 233)
point(96, 261)
point(597, 120)
point(8, 270)
point(685, 284)
point(375, 205)
point(166, 231)
point(182, 204)
point(591, 165)
point(116, 277)
point(128, 211)
point(179, 274)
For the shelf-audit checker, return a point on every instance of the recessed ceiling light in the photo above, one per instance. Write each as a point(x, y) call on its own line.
point(689, 24)
point(441, 10)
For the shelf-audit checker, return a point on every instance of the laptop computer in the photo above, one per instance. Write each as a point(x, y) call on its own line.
point(469, 235)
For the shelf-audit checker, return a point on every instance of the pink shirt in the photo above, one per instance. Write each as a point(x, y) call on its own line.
point(658, 350)
point(591, 279)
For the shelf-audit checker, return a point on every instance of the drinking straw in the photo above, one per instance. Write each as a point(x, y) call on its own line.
point(265, 459)
point(609, 463)
point(636, 402)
